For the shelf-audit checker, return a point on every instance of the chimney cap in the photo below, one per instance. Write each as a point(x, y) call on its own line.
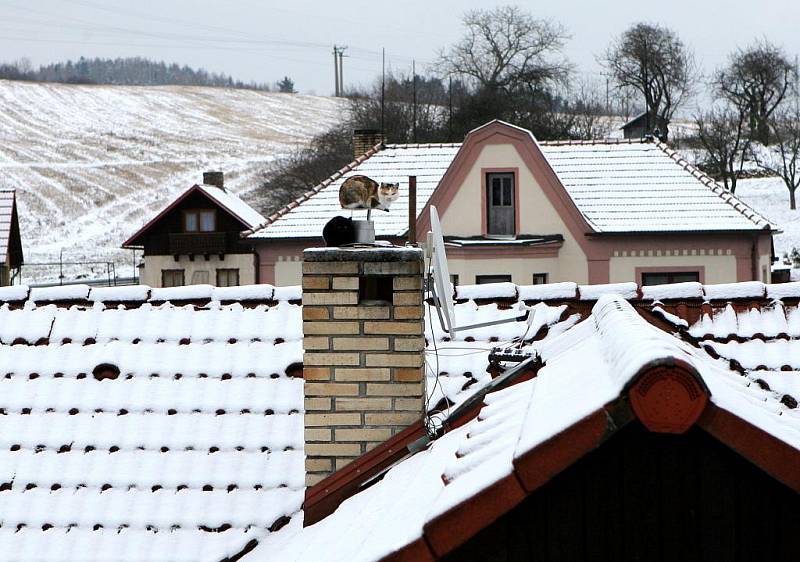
point(214, 178)
point(366, 131)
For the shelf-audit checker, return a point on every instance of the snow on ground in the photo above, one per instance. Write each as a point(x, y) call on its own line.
point(91, 163)
point(770, 197)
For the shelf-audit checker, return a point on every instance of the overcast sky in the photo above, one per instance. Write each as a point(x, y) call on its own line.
point(264, 40)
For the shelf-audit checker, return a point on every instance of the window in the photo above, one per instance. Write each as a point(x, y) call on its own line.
point(483, 279)
point(664, 277)
point(539, 278)
point(172, 278)
point(500, 204)
point(454, 280)
point(199, 221)
point(227, 277)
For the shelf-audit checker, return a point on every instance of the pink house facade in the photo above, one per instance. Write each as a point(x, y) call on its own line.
point(515, 209)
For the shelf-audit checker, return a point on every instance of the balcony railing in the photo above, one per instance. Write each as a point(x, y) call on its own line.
point(197, 243)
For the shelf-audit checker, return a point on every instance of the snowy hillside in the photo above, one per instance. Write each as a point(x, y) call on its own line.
point(91, 163)
point(770, 197)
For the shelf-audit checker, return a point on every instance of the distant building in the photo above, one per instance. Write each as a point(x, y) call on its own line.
point(638, 128)
point(516, 209)
point(196, 239)
point(11, 258)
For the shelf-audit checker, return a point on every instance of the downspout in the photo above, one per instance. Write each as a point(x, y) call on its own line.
point(754, 259)
point(257, 263)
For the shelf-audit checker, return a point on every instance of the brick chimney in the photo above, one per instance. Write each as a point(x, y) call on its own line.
point(364, 139)
point(363, 351)
point(214, 178)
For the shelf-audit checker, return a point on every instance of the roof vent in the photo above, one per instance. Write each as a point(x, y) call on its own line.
point(214, 178)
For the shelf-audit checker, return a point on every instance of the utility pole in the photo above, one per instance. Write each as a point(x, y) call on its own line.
point(383, 90)
point(341, 70)
point(336, 70)
point(414, 94)
point(450, 114)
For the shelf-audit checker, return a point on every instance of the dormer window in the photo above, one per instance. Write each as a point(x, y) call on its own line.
point(199, 221)
point(501, 214)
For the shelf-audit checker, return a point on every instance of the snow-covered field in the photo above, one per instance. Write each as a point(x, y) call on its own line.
point(91, 163)
point(770, 197)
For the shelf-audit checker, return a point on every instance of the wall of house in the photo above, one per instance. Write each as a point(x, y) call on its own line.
point(465, 216)
point(712, 268)
point(288, 270)
point(245, 263)
point(520, 269)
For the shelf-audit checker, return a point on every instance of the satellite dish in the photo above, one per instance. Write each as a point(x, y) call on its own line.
point(442, 289)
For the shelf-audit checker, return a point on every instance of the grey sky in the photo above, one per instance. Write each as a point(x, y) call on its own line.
point(262, 41)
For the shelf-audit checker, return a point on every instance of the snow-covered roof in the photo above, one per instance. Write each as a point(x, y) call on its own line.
point(585, 368)
point(228, 200)
point(618, 186)
point(193, 450)
point(202, 430)
point(6, 212)
point(393, 163)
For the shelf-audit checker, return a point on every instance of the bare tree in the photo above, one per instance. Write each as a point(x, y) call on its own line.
point(505, 48)
point(756, 81)
point(783, 157)
point(586, 105)
point(653, 60)
point(724, 136)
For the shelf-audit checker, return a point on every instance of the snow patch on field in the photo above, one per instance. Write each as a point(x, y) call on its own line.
point(770, 197)
point(91, 163)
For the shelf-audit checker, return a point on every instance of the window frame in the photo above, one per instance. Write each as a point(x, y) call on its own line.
point(670, 277)
point(164, 273)
point(492, 278)
point(197, 213)
point(486, 203)
point(227, 271)
point(543, 276)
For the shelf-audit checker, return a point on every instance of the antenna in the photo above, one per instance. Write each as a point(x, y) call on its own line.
point(442, 288)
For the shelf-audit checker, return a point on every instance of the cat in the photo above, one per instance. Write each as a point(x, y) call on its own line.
point(361, 192)
point(339, 231)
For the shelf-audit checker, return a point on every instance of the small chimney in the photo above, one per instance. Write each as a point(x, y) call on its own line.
point(214, 178)
point(365, 139)
point(364, 346)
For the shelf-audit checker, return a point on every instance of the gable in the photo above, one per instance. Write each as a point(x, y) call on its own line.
point(233, 214)
point(466, 213)
point(10, 243)
point(641, 489)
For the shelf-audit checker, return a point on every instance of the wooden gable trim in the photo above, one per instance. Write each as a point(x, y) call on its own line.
point(498, 132)
point(773, 456)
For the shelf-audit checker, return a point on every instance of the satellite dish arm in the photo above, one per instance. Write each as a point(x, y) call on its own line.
point(452, 331)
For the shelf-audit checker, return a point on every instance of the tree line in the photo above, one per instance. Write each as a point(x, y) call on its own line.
point(510, 65)
point(130, 71)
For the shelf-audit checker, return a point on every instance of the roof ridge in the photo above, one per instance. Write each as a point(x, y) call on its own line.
point(712, 184)
point(604, 141)
point(314, 190)
point(401, 146)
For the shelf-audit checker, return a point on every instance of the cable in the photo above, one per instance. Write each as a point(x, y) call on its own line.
point(433, 421)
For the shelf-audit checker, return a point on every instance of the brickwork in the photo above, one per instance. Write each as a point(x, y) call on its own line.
point(363, 364)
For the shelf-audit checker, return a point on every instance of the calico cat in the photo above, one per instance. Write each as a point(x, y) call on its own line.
point(361, 192)
point(339, 231)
